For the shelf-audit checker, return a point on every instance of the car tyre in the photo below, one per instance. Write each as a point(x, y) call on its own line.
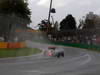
point(62, 54)
point(58, 55)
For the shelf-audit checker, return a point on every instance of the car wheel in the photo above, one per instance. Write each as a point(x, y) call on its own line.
point(62, 54)
point(58, 55)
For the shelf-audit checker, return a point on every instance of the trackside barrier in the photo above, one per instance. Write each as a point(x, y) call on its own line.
point(22, 45)
point(3, 44)
point(12, 45)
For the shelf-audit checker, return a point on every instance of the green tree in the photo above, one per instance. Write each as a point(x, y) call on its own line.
point(56, 26)
point(43, 25)
point(89, 24)
point(68, 23)
point(68, 27)
point(89, 21)
point(17, 7)
point(88, 27)
point(13, 12)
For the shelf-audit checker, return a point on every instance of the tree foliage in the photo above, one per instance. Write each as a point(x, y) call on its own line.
point(17, 7)
point(13, 13)
point(45, 26)
point(90, 21)
point(89, 24)
point(68, 23)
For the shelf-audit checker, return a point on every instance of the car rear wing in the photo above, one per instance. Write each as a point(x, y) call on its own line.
point(52, 48)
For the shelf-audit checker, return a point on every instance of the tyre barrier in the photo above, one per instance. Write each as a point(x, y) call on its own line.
point(12, 45)
point(3, 44)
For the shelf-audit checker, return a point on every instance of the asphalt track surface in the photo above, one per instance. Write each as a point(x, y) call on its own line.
point(76, 62)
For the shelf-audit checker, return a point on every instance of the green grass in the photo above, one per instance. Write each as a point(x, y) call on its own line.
point(77, 45)
point(18, 52)
point(83, 46)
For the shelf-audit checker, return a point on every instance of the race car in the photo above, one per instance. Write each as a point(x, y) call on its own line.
point(53, 51)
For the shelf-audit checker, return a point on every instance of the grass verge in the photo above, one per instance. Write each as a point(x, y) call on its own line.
point(18, 52)
point(83, 46)
point(77, 45)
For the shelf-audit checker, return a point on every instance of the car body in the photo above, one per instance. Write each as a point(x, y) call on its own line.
point(56, 52)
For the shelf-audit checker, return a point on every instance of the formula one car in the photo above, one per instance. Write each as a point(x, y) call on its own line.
point(53, 51)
